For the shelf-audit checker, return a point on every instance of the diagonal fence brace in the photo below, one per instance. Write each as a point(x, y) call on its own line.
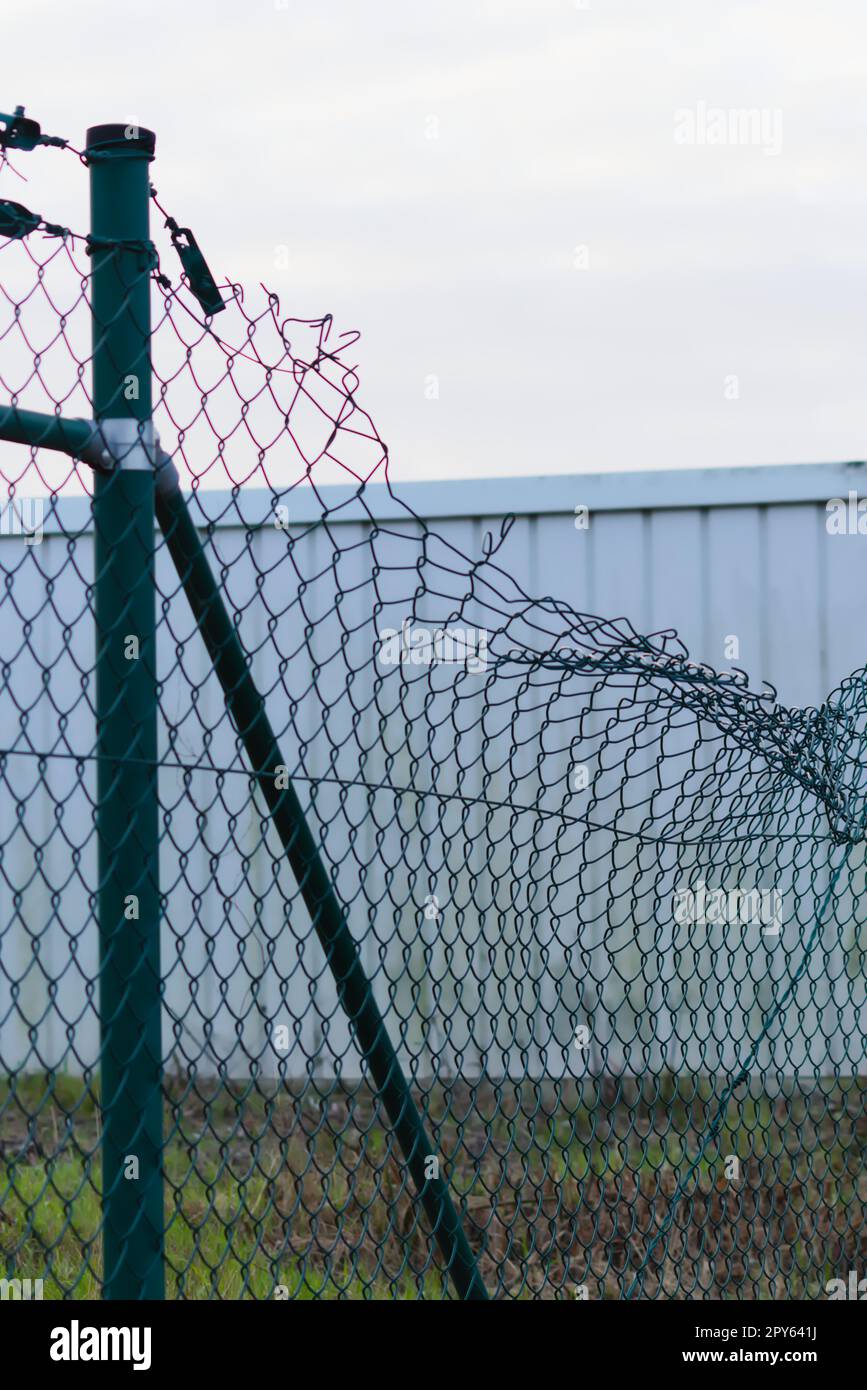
point(89, 442)
point(355, 992)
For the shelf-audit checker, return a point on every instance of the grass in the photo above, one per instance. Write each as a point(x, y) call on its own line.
point(561, 1185)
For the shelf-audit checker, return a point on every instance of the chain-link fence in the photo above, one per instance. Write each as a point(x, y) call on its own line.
point(371, 928)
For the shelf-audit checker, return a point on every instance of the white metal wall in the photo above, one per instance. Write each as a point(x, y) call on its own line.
point(715, 554)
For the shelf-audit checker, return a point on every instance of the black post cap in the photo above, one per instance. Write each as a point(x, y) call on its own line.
point(119, 139)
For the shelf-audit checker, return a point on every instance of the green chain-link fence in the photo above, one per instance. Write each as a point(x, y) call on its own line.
point(371, 928)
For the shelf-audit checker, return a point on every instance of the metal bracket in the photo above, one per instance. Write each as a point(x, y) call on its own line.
point(123, 444)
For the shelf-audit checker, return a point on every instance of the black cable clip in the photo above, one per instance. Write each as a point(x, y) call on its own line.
point(17, 221)
point(201, 281)
point(23, 133)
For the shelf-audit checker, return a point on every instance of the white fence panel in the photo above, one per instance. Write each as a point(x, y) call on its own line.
point(498, 982)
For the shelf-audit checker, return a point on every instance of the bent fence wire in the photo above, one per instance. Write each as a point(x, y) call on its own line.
point(432, 939)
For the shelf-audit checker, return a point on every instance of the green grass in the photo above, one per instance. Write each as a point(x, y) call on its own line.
point(560, 1186)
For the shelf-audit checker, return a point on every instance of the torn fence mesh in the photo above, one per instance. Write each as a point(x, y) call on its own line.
point(608, 899)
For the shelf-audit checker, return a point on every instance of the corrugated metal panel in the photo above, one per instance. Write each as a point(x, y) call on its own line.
point(715, 554)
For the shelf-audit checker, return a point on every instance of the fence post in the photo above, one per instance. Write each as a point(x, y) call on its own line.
point(126, 717)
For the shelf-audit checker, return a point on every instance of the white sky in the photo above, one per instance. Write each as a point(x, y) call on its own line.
point(308, 127)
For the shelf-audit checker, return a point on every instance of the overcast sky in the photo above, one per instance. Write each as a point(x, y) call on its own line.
point(501, 197)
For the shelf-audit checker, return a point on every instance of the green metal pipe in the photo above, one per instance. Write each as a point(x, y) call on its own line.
point(355, 992)
point(127, 812)
point(79, 438)
point(126, 723)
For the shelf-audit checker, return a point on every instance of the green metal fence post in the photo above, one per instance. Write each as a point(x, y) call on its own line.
point(126, 712)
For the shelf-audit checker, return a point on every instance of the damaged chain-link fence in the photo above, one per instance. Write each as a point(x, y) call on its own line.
point(370, 927)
